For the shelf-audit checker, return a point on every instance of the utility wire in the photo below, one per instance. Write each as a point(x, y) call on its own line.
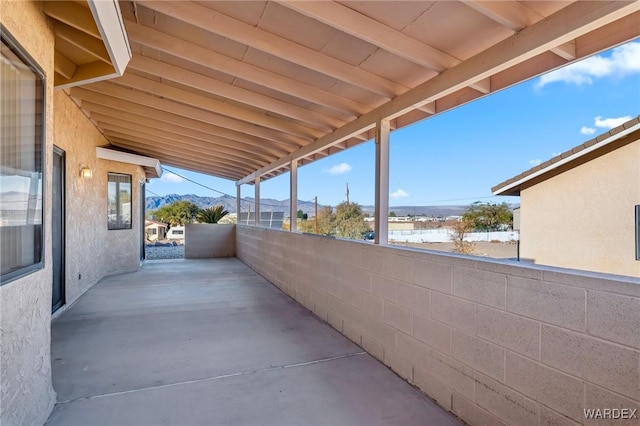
point(216, 190)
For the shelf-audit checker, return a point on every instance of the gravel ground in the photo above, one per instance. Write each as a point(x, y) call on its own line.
point(173, 252)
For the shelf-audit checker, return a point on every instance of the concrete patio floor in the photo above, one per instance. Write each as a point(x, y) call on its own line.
point(210, 342)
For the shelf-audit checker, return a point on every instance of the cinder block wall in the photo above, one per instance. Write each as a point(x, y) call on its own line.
point(494, 343)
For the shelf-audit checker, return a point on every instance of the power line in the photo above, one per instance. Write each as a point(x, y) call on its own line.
point(216, 190)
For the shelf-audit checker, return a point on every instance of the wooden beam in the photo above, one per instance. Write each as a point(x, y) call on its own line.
point(83, 41)
point(198, 148)
point(360, 26)
point(238, 94)
point(105, 93)
point(208, 58)
point(119, 108)
point(565, 25)
point(149, 147)
point(72, 14)
point(181, 140)
point(566, 51)
point(85, 73)
point(99, 112)
point(199, 166)
point(516, 16)
point(206, 103)
point(63, 65)
point(257, 38)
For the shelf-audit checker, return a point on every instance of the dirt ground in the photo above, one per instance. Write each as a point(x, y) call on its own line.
point(494, 250)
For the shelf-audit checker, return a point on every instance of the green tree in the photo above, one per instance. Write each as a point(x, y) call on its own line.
point(393, 214)
point(326, 220)
point(302, 215)
point(212, 214)
point(176, 214)
point(488, 216)
point(349, 222)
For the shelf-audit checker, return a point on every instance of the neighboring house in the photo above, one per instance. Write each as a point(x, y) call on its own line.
point(176, 233)
point(579, 209)
point(155, 231)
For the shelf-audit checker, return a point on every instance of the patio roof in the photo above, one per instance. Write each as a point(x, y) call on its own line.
point(239, 89)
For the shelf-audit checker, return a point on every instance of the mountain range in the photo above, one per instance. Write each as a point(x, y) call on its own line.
point(269, 204)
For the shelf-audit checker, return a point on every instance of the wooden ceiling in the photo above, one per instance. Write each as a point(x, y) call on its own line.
point(237, 89)
point(90, 41)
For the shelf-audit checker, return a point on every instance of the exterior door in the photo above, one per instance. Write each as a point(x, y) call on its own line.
point(58, 228)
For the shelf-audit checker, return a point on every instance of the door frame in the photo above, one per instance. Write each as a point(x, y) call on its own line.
point(63, 228)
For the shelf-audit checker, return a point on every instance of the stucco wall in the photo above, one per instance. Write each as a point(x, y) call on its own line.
point(494, 342)
point(584, 218)
point(92, 251)
point(26, 393)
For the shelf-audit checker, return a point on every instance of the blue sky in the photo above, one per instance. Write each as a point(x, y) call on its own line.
point(456, 157)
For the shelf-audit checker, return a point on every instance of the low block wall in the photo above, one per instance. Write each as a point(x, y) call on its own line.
point(493, 342)
point(207, 240)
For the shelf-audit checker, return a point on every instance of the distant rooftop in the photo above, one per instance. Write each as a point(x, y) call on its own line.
point(591, 149)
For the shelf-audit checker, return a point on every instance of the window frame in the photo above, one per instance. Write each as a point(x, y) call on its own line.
point(41, 135)
point(637, 221)
point(119, 203)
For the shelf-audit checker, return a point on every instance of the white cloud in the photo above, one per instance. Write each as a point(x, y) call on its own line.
point(338, 169)
point(624, 60)
point(171, 178)
point(610, 123)
point(555, 154)
point(535, 162)
point(399, 193)
point(587, 130)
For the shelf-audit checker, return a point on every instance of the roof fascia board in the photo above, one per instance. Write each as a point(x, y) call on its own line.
point(567, 24)
point(114, 35)
point(568, 159)
point(125, 157)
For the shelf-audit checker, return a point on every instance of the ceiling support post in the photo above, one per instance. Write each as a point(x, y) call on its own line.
point(293, 196)
point(256, 220)
point(381, 214)
point(238, 202)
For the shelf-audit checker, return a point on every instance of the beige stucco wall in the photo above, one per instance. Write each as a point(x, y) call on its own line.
point(584, 218)
point(26, 392)
point(495, 342)
point(92, 251)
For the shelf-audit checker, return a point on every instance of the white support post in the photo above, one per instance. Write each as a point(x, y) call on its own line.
point(293, 196)
point(238, 202)
point(257, 200)
point(382, 183)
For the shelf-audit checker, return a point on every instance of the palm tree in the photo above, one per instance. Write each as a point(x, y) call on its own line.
point(212, 214)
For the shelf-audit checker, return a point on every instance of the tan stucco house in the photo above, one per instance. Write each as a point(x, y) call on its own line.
point(96, 93)
point(155, 231)
point(579, 209)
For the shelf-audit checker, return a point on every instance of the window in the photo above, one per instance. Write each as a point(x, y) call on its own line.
point(22, 124)
point(178, 232)
point(118, 201)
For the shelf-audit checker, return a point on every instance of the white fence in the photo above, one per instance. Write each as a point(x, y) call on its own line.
point(444, 235)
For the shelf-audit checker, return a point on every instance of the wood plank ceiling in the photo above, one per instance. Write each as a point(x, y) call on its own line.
point(238, 88)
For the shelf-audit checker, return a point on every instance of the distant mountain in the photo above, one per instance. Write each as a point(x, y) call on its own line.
point(268, 204)
point(229, 203)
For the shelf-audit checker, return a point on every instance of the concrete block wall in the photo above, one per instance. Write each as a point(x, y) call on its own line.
point(209, 240)
point(493, 342)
